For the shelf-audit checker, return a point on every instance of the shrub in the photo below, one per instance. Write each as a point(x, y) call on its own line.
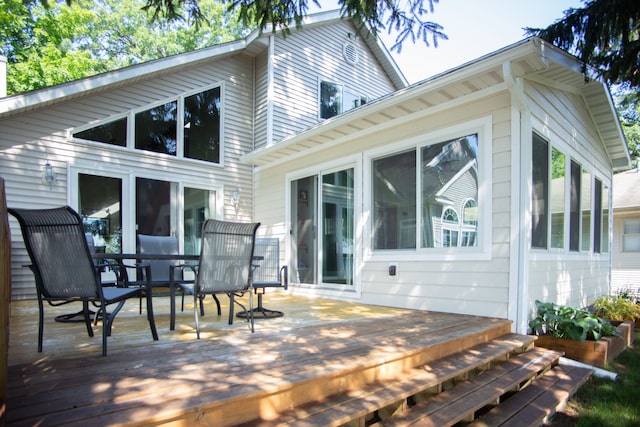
point(617, 308)
point(566, 322)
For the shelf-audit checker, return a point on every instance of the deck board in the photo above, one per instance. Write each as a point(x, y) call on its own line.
point(316, 345)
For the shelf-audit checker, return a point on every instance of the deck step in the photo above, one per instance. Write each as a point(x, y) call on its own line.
point(463, 401)
point(391, 395)
point(537, 403)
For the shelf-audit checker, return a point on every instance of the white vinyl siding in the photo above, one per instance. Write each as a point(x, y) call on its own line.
point(474, 285)
point(578, 277)
point(305, 57)
point(625, 274)
point(25, 147)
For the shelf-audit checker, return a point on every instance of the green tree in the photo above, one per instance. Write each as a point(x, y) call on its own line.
point(407, 18)
point(604, 34)
point(59, 43)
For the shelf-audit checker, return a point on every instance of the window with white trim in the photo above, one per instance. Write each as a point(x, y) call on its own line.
point(631, 235)
point(159, 127)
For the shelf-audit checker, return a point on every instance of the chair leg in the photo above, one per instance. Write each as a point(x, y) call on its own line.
point(251, 309)
point(231, 307)
point(195, 313)
point(87, 317)
point(40, 324)
point(150, 315)
point(215, 298)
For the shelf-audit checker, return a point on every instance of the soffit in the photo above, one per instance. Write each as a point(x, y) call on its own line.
point(530, 59)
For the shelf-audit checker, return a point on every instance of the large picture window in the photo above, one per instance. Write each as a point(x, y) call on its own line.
point(161, 129)
point(446, 191)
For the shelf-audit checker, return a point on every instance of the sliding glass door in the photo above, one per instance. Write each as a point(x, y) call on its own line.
point(322, 250)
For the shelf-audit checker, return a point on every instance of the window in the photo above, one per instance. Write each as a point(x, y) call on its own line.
point(540, 192)
point(99, 203)
point(114, 133)
point(155, 129)
point(586, 210)
point(160, 129)
point(447, 187)
point(574, 208)
point(604, 247)
point(394, 201)
point(330, 99)
point(558, 167)
point(631, 236)
point(202, 126)
point(450, 226)
point(469, 223)
point(335, 99)
point(597, 215)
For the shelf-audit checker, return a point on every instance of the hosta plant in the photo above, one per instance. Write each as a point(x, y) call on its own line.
point(570, 323)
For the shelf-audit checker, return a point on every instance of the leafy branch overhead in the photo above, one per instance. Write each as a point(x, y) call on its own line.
point(604, 34)
point(407, 19)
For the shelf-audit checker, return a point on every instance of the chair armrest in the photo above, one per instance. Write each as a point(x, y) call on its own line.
point(284, 276)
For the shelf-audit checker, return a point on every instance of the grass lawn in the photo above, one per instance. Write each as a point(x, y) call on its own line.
point(604, 402)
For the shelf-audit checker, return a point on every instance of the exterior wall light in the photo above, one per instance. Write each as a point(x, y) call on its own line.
point(235, 198)
point(48, 175)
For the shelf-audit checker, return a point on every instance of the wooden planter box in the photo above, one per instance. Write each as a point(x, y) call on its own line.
point(596, 353)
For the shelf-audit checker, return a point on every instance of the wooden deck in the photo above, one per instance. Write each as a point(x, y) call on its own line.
point(325, 363)
point(230, 376)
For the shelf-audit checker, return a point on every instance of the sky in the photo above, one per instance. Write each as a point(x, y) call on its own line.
point(474, 28)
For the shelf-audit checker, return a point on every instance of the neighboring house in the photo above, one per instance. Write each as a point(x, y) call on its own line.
point(625, 245)
point(435, 196)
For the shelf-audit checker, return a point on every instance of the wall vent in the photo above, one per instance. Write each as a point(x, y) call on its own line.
point(351, 53)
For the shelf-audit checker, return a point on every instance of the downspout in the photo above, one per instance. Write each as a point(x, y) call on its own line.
point(518, 261)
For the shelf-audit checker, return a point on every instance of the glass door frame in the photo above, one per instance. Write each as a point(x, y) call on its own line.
point(318, 171)
point(128, 179)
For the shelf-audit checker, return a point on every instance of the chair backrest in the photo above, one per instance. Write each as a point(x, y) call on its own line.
point(267, 261)
point(162, 245)
point(60, 257)
point(225, 256)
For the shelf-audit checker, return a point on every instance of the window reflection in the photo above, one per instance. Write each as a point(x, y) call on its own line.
point(156, 129)
point(114, 133)
point(202, 126)
point(449, 186)
point(99, 203)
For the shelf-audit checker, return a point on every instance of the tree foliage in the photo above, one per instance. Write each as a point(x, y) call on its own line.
point(604, 34)
point(56, 43)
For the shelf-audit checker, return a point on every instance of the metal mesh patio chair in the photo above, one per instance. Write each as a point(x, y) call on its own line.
point(65, 272)
point(160, 268)
point(225, 264)
point(267, 273)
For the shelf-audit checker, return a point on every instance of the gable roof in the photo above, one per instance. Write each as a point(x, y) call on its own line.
point(532, 58)
point(625, 190)
point(250, 45)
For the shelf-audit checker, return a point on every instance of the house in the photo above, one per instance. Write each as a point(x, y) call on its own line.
point(477, 191)
point(625, 247)
point(434, 196)
point(154, 148)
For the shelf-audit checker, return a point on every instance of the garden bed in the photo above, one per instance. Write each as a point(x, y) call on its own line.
point(597, 353)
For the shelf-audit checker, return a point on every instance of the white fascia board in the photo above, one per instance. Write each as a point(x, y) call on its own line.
point(15, 103)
